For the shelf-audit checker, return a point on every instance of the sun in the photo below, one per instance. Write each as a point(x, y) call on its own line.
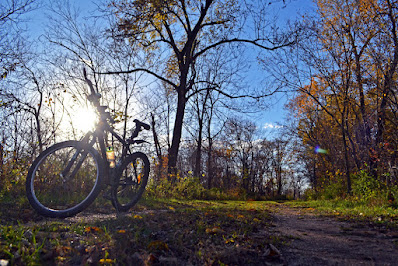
point(84, 118)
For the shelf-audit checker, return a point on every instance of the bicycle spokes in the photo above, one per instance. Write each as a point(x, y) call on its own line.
point(64, 178)
point(131, 182)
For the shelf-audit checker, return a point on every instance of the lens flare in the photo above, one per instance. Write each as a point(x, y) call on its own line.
point(320, 150)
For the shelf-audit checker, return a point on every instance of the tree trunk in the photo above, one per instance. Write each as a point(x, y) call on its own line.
point(177, 132)
point(388, 82)
point(38, 132)
point(1, 160)
point(346, 158)
point(198, 158)
point(157, 147)
point(209, 165)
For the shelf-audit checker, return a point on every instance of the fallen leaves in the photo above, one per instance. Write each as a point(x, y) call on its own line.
point(197, 234)
point(92, 229)
point(158, 245)
point(106, 261)
point(215, 230)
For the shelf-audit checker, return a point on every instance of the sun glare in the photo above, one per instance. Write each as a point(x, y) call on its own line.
point(84, 119)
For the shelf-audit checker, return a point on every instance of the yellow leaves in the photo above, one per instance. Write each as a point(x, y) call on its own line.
point(60, 259)
point(229, 240)
point(138, 217)
point(106, 261)
point(256, 220)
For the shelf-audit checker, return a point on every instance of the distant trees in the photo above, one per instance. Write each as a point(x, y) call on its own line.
point(241, 161)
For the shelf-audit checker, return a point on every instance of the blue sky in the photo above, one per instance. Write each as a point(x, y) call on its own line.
point(272, 119)
point(269, 119)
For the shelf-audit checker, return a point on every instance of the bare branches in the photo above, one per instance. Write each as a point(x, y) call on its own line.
point(255, 42)
point(141, 70)
point(10, 10)
point(10, 41)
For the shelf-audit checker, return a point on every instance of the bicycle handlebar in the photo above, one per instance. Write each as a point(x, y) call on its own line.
point(140, 124)
point(94, 98)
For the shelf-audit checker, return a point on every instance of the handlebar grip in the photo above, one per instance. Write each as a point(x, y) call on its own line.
point(140, 124)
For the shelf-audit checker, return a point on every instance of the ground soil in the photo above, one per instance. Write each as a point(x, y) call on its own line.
point(301, 236)
point(320, 240)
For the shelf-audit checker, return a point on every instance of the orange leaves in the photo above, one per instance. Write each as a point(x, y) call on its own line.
point(215, 230)
point(92, 229)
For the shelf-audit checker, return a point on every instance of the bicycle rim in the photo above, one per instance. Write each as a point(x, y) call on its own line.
point(132, 181)
point(57, 192)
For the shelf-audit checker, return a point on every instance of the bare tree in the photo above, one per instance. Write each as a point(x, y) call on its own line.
point(11, 43)
point(185, 31)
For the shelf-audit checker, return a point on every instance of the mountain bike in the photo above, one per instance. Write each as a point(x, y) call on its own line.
point(68, 176)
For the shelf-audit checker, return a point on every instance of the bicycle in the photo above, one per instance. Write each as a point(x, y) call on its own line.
point(68, 176)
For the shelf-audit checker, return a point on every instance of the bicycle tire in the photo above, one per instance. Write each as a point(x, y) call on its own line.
point(49, 191)
point(131, 182)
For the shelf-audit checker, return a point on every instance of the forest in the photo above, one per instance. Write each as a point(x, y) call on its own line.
point(227, 185)
point(188, 69)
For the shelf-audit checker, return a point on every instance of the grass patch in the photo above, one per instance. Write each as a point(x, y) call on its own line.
point(353, 210)
point(157, 232)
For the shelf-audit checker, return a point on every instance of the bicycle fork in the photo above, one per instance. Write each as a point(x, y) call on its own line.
point(64, 174)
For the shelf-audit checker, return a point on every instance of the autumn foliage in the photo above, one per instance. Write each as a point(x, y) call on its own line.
point(349, 106)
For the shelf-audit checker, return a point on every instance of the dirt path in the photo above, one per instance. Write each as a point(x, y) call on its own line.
point(326, 241)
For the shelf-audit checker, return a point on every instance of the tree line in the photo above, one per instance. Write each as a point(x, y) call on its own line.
point(344, 76)
point(182, 66)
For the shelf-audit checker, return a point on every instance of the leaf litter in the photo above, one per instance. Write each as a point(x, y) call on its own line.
point(169, 233)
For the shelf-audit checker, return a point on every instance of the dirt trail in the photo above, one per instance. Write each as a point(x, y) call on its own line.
point(318, 240)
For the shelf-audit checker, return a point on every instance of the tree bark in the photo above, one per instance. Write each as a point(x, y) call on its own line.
point(177, 132)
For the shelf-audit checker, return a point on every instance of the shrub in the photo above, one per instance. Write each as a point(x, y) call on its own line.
point(333, 190)
point(365, 186)
point(309, 194)
point(182, 188)
point(191, 188)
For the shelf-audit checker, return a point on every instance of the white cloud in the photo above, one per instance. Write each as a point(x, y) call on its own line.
point(271, 126)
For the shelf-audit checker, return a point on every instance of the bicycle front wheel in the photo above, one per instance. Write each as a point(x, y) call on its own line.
point(65, 179)
point(133, 178)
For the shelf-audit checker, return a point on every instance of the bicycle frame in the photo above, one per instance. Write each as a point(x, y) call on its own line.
point(98, 136)
point(124, 191)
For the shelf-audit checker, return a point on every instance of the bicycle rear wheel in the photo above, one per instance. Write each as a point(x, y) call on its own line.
point(133, 178)
point(65, 179)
